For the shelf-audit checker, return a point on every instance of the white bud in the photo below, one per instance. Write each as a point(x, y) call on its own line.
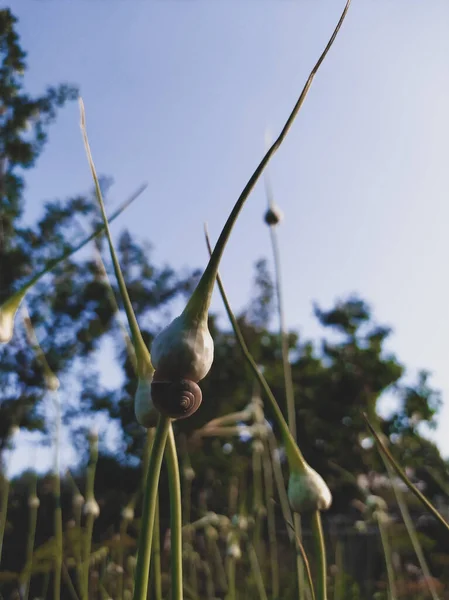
point(308, 491)
point(360, 526)
point(234, 550)
point(128, 513)
point(78, 500)
point(376, 503)
point(92, 436)
point(91, 508)
point(189, 474)
point(183, 350)
point(33, 501)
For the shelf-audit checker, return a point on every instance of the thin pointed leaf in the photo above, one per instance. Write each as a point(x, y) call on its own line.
point(199, 302)
point(144, 367)
point(430, 507)
point(10, 307)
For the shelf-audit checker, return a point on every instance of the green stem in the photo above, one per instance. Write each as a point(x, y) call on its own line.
point(4, 509)
point(271, 522)
point(175, 517)
point(257, 572)
point(388, 561)
point(58, 510)
point(412, 533)
point(210, 588)
point(149, 509)
point(68, 580)
point(144, 366)
point(257, 501)
point(120, 558)
point(300, 575)
point(294, 455)
point(230, 569)
point(199, 302)
point(320, 556)
point(90, 518)
point(288, 380)
point(389, 457)
point(156, 566)
point(58, 558)
point(339, 583)
point(31, 537)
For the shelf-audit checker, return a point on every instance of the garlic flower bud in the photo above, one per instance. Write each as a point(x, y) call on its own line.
point(33, 501)
point(91, 508)
point(183, 350)
point(128, 513)
point(308, 492)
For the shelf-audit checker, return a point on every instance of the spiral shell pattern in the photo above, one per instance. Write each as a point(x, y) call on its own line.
point(176, 399)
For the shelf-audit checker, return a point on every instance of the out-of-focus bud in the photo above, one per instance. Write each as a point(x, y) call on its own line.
point(257, 446)
point(128, 513)
point(211, 533)
point(91, 508)
point(92, 436)
point(78, 500)
point(273, 215)
point(308, 492)
point(33, 501)
point(233, 547)
point(189, 474)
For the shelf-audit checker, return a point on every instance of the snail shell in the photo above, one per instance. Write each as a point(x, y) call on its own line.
point(176, 399)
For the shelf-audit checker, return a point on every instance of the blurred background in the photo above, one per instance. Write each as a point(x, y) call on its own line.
point(185, 96)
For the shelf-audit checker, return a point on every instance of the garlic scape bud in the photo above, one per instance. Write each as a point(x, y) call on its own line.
point(9, 308)
point(184, 349)
point(273, 215)
point(307, 491)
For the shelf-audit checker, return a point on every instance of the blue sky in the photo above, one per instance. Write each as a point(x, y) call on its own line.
point(181, 93)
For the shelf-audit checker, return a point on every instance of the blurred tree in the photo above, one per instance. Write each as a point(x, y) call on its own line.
point(71, 309)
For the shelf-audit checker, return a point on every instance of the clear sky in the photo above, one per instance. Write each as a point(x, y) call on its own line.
point(180, 94)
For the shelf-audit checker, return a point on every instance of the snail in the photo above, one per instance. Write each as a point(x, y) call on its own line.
point(176, 399)
point(182, 355)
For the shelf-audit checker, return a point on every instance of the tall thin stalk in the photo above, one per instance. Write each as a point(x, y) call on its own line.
point(175, 517)
point(156, 572)
point(149, 510)
point(320, 554)
point(33, 506)
point(230, 571)
point(411, 532)
point(57, 517)
point(388, 559)
point(4, 481)
point(271, 521)
point(255, 567)
point(91, 509)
